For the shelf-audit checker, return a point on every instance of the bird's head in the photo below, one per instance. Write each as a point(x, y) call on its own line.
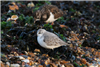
point(37, 15)
point(41, 32)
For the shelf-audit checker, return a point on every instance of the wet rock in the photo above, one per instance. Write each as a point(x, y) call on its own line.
point(15, 65)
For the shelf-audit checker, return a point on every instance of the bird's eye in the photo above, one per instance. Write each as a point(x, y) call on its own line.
point(39, 32)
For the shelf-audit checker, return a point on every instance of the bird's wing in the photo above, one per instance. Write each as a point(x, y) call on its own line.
point(56, 11)
point(52, 39)
point(51, 8)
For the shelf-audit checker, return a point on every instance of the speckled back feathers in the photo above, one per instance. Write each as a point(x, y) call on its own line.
point(43, 12)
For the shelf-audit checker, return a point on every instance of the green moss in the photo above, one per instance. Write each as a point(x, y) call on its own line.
point(21, 17)
point(3, 24)
point(29, 19)
point(36, 8)
point(48, 26)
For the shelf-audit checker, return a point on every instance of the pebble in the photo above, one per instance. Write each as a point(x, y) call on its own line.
point(15, 65)
point(21, 57)
point(93, 65)
point(26, 61)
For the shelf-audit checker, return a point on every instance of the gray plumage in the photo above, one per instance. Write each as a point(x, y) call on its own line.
point(49, 40)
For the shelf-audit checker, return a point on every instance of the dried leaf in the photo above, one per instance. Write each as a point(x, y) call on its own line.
point(62, 26)
point(14, 7)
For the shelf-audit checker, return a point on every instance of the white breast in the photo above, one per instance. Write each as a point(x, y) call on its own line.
point(51, 18)
point(41, 42)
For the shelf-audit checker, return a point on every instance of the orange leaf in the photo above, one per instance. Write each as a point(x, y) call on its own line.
point(62, 26)
point(13, 7)
point(16, 7)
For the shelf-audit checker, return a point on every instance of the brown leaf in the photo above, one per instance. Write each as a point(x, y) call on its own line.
point(52, 65)
point(40, 66)
point(64, 62)
point(14, 7)
point(37, 50)
point(46, 55)
point(31, 54)
point(83, 61)
point(68, 65)
point(62, 26)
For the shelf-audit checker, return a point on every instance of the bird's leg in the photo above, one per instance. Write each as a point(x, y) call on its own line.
point(48, 51)
point(34, 21)
point(46, 22)
point(52, 23)
point(51, 52)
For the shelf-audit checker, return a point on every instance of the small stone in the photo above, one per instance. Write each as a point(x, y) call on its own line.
point(64, 62)
point(14, 58)
point(62, 65)
point(31, 63)
point(26, 52)
point(40, 66)
point(95, 53)
point(9, 46)
point(92, 49)
point(26, 65)
point(16, 54)
point(87, 54)
point(31, 54)
point(98, 65)
point(25, 56)
point(29, 58)
point(47, 61)
point(99, 54)
point(15, 65)
point(6, 65)
point(26, 61)
point(37, 50)
point(46, 55)
point(78, 62)
point(30, 4)
point(88, 64)
point(21, 57)
point(39, 61)
point(93, 65)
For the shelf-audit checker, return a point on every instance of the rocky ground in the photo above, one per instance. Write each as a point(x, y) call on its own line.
point(80, 27)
